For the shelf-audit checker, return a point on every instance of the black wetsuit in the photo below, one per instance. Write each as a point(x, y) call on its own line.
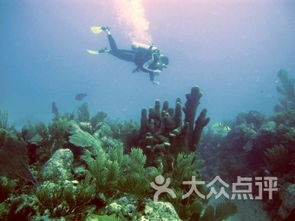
point(138, 58)
point(126, 55)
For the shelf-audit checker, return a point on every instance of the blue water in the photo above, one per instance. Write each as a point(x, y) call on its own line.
point(232, 49)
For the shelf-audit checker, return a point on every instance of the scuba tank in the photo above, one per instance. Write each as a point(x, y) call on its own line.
point(141, 47)
point(145, 52)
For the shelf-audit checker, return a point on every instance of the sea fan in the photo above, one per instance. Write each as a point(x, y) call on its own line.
point(277, 158)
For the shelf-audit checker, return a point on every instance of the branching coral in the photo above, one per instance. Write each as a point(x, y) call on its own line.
point(168, 139)
point(44, 140)
point(103, 218)
point(164, 131)
point(108, 169)
point(164, 145)
point(22, 207)
point(183, 168)
point(65, 199)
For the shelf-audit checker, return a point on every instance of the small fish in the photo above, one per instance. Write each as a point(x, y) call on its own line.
point(80, 96)
point(54, 109)
point(220, 128)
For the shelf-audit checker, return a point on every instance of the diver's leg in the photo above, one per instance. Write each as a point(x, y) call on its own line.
point(104, 50)
point(111, 40)
point(112, 43)
point(126, 55)
point(152, 78)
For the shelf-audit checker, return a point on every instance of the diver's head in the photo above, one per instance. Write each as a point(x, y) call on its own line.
point(164, 61)
point(156, 50)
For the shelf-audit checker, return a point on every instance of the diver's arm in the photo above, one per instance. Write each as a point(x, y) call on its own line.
point(146, 65)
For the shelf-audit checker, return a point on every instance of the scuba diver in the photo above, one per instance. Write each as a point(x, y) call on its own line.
point(147, 58)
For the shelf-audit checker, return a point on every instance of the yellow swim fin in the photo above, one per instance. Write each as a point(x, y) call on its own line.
point(96, 29)
point(92, 52)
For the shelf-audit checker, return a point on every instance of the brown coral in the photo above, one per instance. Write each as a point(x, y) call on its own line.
point(165, 128)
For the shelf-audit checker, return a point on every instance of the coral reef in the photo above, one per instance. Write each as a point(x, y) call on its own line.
point(67, 199)
point(13, 157)
point(164, 132)
point(276, 158)
point(108, 169)
point(58, 167)
point(287, 91)
point(287, 194)
point(80, 167)
point(218, 213)
point(83, 114)
point(259, 146)
point(7, 186)
point(3, 119)
point(262, 142)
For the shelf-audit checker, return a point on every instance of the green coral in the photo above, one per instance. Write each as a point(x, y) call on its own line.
point(7, 186)
point(103, 130)
point(22, 207)
point(109, 169)
point(158, 211)
point(80, 138)
point(170, 142)
point(43, 140)
point(58, 128)
point(183, 168)
point(164, 144)
point(103, 218)
point(4, 210)
point(67, 199)
point(139, 177)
